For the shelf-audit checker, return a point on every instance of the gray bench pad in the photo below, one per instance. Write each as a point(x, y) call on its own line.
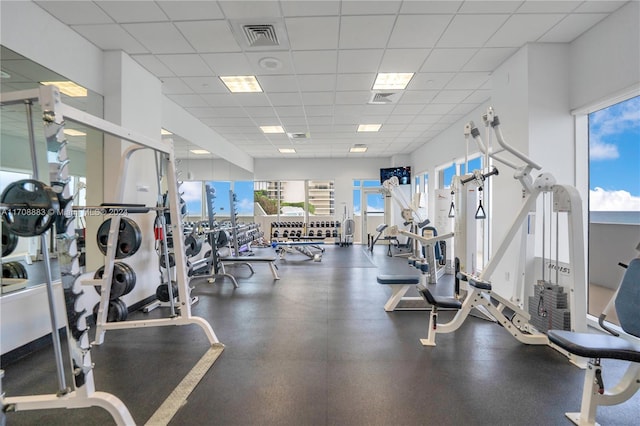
point(398, 279)
point(591, 345)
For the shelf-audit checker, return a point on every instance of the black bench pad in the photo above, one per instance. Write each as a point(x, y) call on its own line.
point(482, 285)
point(591, 345)
point(248, 259)
point(439, 301)
point(398, 279)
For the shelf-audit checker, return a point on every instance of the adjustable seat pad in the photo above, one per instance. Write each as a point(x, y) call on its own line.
point(398, 279)
point(439, 301)
point(591, 345)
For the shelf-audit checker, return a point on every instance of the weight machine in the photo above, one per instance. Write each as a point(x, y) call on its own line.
point(510, 312)
point(45, 205)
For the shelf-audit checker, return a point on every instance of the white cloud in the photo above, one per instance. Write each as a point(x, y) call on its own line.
point(602, 200)
point(192, 191)
point(603, 151)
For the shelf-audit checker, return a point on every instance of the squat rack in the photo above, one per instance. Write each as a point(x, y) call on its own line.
point(84, 393)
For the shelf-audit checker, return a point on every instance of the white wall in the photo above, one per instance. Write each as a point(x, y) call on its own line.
point(212, 170)
point(606, 59)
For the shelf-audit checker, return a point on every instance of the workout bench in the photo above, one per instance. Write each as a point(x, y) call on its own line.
point(479, 296)
point(400, 284)
point(609, 346)
point(248, 260)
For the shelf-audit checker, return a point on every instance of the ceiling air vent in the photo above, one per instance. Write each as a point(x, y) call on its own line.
point(298, 136)
point(260, 35)
point(384, 98)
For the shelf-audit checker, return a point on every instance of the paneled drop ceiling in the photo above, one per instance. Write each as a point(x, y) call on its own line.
point(317, 77)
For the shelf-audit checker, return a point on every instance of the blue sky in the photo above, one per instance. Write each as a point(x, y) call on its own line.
point(614, 151)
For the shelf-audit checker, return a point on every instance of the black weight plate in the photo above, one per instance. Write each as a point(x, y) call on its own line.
point(7, 271)
point(129, 237)
point(21, 270)
point(36, 206)
point(193, 245)
point(117, 311)
point(119, 280)
point(131, 278)
point(172, 260)
point(9, 241)
point(162, 291)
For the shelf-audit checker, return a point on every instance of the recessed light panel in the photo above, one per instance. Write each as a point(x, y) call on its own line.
point(241, 83)
point(272, 129)
point(358, 148)
point(392, 80)
point(69, 88)
point(165, 132)
point(199, 151)
point(287, 150)
point(74, 132)
point(369, 127)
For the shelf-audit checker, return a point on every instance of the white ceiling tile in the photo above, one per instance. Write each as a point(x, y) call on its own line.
point(72, 12)
point(228, 63)
point(284, 58)
point(202, 112)
point(351, 110)
point(418, 31)
point(378, 109)
point(187, 10)
point(429, 81)
point(468, 80)
point(310, 8)
point(388, 128)
point(348, 82)
point(315, 62)
point(463, 109)
point(317, 98)
point(417, 96)
point(260, 111)
point(285, 99)
point(159, 37)
point(422, 7)
point(437, 109)
point(317, 82)
point(294, 111)
point(359, 61)
point(541, 6)
point(174, 85)
point(250, 9)
point(364, 32)
point(488, 59)
point(133, 11)
point(186, 101)
point(318, 124)
point(278, 83)
point(415, 127)
point(370, 7)
point(403, 60)
point(219, 99)
point(153, 65)
point(232, 112)
point(399, 119)
point(209, 36)
point(252, 99)
point(571, 27)
point(605, 6)
point(189, 65)
point(407, 109)
point(205, 84)
point(429, 119)
point(521, 29)
point(352, 98)
point(441, 60)
point(484, 7)
point(478, 97)
point(471, 30)
point(110, 37)
point(451, 96)
point(292, 123)
point(313, 32)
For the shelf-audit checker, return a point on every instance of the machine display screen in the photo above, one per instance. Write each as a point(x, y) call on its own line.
point(402, 173)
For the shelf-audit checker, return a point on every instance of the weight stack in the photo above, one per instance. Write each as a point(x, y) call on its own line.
point(549, 308)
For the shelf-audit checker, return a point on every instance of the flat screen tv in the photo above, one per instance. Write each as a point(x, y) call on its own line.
point(402, 173)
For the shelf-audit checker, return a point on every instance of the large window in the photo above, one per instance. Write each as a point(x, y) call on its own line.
point(244, 197)
point(614, 197)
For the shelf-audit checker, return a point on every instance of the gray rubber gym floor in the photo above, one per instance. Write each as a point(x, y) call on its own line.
point(317, 348)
